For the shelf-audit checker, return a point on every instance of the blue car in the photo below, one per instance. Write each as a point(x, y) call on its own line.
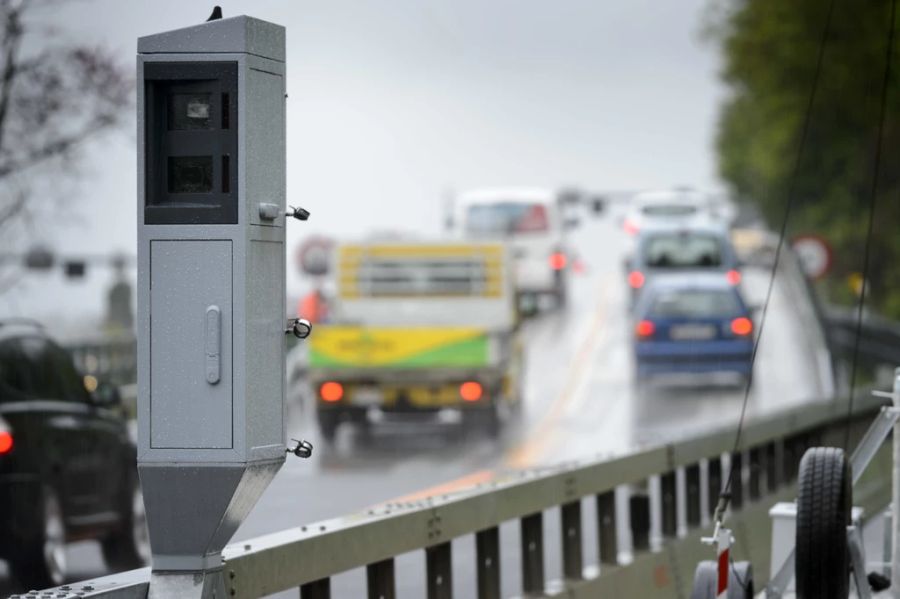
point(694, 324)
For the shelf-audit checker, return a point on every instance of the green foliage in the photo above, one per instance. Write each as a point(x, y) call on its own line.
point(770, 52)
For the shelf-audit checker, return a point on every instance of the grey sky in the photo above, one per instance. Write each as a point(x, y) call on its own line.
point(392, 102)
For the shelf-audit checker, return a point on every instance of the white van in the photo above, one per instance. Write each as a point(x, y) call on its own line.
point(531, 222)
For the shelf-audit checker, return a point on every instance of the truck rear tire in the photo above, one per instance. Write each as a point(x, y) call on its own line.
point(824, 502)
point(328, 424)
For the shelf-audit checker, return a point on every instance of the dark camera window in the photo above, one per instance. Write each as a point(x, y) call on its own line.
point(190, 174)
point(190, 111)
point(192, 146)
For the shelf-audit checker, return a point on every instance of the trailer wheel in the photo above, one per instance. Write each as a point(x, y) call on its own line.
point(740, 580)
point(823, 514)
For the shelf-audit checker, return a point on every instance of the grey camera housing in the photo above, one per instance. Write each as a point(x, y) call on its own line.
point(211, 268)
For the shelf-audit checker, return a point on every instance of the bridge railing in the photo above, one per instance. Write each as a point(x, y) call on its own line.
point(686, 477)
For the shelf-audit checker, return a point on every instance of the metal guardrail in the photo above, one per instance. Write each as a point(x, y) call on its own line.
point(770, 450)
point(879, 340)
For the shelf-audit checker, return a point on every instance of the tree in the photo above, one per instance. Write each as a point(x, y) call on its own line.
point(54, 96)
point(770, 52)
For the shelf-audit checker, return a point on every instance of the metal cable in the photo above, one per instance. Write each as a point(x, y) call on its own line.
point(876, 171)
point(725, 496)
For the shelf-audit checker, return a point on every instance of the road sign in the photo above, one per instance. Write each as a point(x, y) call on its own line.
point(814, 253)
point(314, 256)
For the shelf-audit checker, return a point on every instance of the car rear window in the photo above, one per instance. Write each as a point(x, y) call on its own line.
point(506, 218)
point(679, 250)
point(695, 303)
point(15, 372)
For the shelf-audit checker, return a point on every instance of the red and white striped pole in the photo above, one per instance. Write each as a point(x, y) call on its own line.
point(723, 549)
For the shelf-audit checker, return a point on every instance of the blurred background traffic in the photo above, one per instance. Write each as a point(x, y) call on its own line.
point(539, 233)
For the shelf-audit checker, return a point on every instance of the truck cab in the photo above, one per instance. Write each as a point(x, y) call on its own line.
point(531, 222)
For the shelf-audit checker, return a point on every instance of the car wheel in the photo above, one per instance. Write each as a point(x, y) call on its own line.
point(129, 547)
point(42, 563)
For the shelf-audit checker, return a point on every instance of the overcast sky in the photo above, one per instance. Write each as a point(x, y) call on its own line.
point(393, 102)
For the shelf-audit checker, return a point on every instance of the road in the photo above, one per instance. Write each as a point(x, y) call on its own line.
point(580, 402)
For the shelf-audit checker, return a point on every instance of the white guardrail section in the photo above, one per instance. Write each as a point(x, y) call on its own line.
point(770, 450)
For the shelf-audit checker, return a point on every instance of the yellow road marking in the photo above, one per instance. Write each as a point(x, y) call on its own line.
point(525, 454)
point(465, 482)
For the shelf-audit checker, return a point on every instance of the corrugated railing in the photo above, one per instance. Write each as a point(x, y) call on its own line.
point(683, 472)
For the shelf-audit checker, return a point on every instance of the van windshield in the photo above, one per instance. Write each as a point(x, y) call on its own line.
point(679, 250)
point(506, 218)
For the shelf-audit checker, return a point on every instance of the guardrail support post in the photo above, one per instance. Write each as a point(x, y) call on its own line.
point(668, 492)
point(439, 571)
point(533, 553)
point(755, 486)
point(606, 528)
point(573, 564)
point(692, 491)
point(773, 459)
point(319, 589)
point(639, 514)
point(380, 580)
point(714, 483)
point(737, 480)
point(487, 550)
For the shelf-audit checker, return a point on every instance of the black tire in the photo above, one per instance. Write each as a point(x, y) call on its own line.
point(484, 421)
point(41, 562)
point(328, 424)
point(824, 502)
point(128, 547)
point(740, 581)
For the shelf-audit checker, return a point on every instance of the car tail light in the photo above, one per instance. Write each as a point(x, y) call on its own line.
point(742, 326)
point(471, 391)
point(331, 391)
point(6, 442)
point(636, 279)
point(558, 260)
point(645, 328)
point(733, 276)
point(630, 227)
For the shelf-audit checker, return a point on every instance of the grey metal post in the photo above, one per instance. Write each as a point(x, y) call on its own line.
point(570, 520)
point(439, 571)
point(608, 545)
point(532, 529)
point(211, 268)
point(692, 492)
point(487, 551)
point(895, 499)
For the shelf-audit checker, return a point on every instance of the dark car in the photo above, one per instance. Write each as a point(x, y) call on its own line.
point(667, 250)
point(692, 324)
point(67, 464)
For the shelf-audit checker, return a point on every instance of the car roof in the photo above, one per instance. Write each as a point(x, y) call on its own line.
point(671, 196)
point(17, 327)
point(536, 195)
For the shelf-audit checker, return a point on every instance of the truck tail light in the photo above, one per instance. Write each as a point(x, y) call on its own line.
point(558, 260)
point(733, 276)
point(471, 391)
point(331, 391)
